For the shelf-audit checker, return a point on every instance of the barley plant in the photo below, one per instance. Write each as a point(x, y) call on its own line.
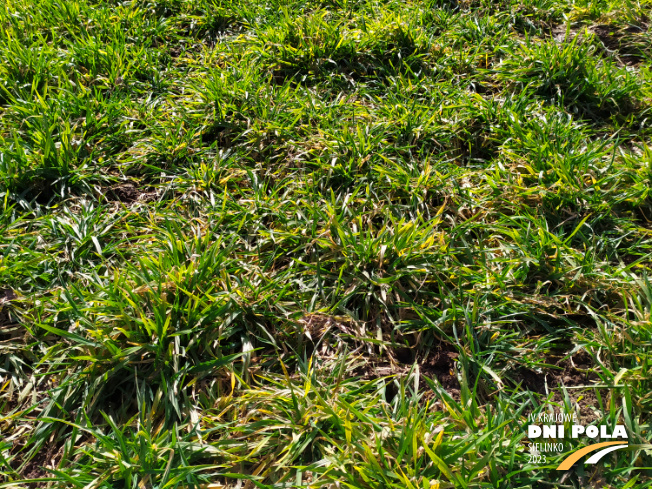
point(322, 243)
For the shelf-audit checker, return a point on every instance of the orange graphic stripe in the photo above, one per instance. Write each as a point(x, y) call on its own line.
point(568, 462)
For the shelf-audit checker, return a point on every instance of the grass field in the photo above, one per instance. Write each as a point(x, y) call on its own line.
point(322, 244)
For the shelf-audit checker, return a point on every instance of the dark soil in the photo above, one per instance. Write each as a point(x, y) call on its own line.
point(9, 329)
point(575, 373)
point(131, 192)
point(7, 295)
point(620, 41)
point(441, 364)
point(532, 381)
point(48, 456)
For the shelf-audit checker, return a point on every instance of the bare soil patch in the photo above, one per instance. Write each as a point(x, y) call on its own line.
point(132, 192)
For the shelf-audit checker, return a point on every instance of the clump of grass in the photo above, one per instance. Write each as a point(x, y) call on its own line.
point(321, 46)
point(570, 74)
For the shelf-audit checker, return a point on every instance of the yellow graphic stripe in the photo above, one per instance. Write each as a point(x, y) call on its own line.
point(568, 462)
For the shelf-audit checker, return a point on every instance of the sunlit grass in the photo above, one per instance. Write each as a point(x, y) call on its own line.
point(320, 244)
